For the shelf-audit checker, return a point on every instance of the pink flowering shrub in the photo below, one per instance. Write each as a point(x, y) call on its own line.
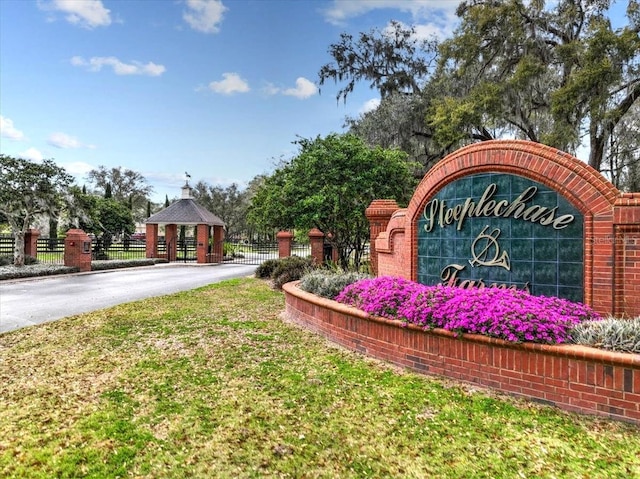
point(507, 314)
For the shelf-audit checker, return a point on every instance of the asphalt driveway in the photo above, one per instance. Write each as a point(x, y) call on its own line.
point(38, 300)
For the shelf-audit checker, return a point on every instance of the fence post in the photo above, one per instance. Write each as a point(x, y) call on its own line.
point(316, 239)
point(31, 242)
point(77, 250)
point(284, 243)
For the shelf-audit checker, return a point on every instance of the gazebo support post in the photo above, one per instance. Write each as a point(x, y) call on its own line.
point(171, 238)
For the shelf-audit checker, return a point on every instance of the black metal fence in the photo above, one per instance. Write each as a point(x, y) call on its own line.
point(121, 250)
point(248, 249)
point(257, 251)
point(51, 250)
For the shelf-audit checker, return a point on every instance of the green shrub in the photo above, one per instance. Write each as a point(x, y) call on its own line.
point(329, 283)
point(283, 270)
point(266, 268)
point(14, 272)
point(29, 260)
point(612, 333)
point(8, 260)
point(290, 269)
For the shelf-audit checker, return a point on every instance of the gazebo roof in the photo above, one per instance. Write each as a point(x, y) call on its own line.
point(185, 212)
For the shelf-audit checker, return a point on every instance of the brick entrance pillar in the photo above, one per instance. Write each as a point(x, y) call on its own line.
point(217, 253)
point(316, 238)
point(171, 238)
point(77, 250)
point(202, 244)
point(151, 241)
point(31, 243)
point(378, 213)
point(285, 239)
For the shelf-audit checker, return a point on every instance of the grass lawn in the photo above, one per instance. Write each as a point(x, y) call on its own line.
point(213, 384)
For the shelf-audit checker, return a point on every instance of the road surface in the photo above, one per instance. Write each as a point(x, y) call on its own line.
point(39, 300)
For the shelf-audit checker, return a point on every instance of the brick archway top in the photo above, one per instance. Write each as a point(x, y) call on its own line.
point(583, 186)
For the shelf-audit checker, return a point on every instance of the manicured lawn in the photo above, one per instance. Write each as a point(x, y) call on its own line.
point(212, 383)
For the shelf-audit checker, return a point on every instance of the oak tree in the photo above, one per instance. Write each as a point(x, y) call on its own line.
point(29, 189)
point(328, 186)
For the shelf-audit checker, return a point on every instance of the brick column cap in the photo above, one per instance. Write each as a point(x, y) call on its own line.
point(316, 233)
point(381, 208)
point(284, 234)
point(76, 232)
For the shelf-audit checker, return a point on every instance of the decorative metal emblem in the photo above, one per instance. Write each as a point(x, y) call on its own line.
point(485, 250)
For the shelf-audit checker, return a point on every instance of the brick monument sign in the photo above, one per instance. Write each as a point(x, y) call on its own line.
point(515, 214)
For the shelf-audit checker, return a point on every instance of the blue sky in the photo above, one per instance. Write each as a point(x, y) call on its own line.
point(220, 89)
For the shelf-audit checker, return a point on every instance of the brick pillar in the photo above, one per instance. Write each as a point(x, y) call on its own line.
point(217, 254)
point(31, 243)
point(151, 241)
point(77, 250)
point(202, 243)
point(285, 239)
point(316, 238)
point(171, 238)
point(626, 223)
point(378, 213)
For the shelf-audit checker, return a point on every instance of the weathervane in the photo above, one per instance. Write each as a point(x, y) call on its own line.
point(186, 180)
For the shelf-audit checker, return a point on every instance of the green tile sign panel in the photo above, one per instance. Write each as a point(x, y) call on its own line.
point(504, 230)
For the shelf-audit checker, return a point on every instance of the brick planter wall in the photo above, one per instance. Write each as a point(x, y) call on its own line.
point(570, 377)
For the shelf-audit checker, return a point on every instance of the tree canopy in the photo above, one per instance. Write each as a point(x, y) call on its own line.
point(229, 203)
point(328, 186)
point(105, 218)
point(123, 185)
point(557, 73)
point(29, 189)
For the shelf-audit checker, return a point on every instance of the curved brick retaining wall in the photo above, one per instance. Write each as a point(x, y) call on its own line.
point(570, 377)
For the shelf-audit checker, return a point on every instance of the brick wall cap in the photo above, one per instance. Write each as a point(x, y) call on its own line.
point(284, 234)
point(399, 213)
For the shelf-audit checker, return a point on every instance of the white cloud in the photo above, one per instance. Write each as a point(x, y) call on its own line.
point(342, 10)
point(7, 130)
point(204, 15)
point(370, 105)
point(85, 13)
point(78, 169)
point(270, 89)
point(62, 140)
point(429, 17)
point(232, 83)
point(95, 64)
point(31, 154)
point(304, 89)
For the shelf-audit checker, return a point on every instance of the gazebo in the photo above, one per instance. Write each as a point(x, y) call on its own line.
point(186, 212)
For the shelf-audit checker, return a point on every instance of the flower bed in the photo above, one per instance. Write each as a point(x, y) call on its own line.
point(508, 314)
point(571, 377)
